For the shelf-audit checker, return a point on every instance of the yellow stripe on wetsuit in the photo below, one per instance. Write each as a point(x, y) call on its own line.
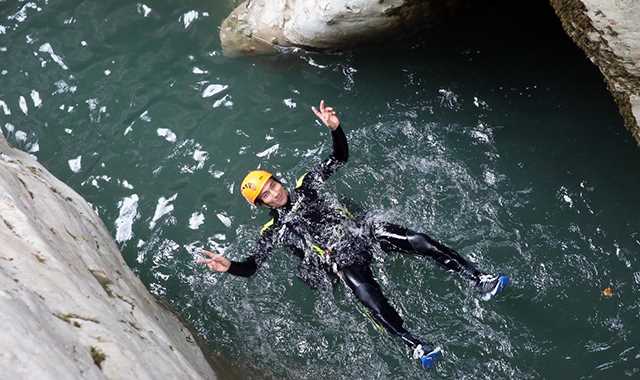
point(266, 226)
point(300, 180)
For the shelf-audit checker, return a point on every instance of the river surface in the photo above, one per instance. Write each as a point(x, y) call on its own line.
point(510, 150)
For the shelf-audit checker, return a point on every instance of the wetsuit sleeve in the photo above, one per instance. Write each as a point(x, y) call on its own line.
point(249, 266)
point(246, 268)
point(338, 157)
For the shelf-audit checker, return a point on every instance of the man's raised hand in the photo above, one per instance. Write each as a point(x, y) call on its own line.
point(327, 115)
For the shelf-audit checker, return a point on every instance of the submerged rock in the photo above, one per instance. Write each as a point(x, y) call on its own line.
point(71, 308)
point(266, 26)
point(609, 33)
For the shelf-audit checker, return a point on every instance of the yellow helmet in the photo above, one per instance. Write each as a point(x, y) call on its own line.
point(253, 183)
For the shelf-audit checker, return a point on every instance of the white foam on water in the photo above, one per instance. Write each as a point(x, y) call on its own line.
point(189, 18)
point(200, 156)
point(75, 164)
point(22, 102)
point(63, 87)
point(224, 101)
point(10, 128)
point(3, 29)
point(129, 128)
point(213, 89)
point(289, 103)
point(21, 136)
point(448, 98)
point(167, 134)
point(145, 116)
point(163, 207)
point(46, 48)
point(92, 103)
point(35, 97)
point(567, 199)
point(269, 151)
point(489, 177)
point(196, 220)
point(5, 108)
point(313, 63)
point(126, 185)
point(107, 72)
point(34, 148)
point(224, 219)
point(480, 136)
point(143, 9)
point(197, 70)
point(128, 207)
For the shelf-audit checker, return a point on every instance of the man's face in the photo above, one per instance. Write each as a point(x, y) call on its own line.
point(274, 194)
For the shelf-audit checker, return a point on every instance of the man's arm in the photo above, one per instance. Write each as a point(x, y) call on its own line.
point(247, 267)
point(340, 153)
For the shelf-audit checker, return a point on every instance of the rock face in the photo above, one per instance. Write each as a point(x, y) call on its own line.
point(71, 308)
point(264, 26)
point(609, 33)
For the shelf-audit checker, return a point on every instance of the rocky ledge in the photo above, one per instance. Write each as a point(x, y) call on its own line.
point(269, 26)
point(71, 308)
point(608, 31)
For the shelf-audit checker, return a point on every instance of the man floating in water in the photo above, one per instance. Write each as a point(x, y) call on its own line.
point(332, 244)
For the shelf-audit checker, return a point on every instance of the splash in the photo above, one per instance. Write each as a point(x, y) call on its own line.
point(75, 164)
point(46, 48)
point(164, 207)
point(124, 223)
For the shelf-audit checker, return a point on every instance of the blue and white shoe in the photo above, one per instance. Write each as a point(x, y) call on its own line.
point(427, 360)
point(490, 285)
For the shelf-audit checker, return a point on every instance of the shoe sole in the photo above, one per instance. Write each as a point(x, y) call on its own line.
point(429, 360)
point(503, 282)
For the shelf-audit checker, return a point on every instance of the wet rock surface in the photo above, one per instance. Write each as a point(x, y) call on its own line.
point(265, 26)
point(71, 308)
point(609, 33)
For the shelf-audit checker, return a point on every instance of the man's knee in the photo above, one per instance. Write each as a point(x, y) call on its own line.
point(421, 242)
point(371, 296)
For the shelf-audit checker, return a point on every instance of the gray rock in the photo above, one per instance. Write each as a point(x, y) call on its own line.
point(266, 26)
point(71, 308)
point(609, 33)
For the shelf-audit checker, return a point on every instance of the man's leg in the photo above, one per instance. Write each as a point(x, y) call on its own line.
point(393, 237)
point(397, 238)
point(360, 280)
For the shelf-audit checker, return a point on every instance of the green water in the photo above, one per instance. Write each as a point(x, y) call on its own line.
point(509, 149)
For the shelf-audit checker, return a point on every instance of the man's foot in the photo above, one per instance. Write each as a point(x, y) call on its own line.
point(490, 285)
point(427, 360)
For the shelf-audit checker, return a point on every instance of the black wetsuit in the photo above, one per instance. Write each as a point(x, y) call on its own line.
point(331, 242)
